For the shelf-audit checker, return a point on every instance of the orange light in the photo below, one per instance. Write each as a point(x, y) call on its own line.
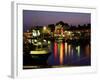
point(66, 48)
point(69, 49)
point(61, 53)
point(55, 50)
point(87, 50)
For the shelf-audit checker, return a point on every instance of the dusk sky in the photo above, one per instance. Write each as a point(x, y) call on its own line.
point(43, 18)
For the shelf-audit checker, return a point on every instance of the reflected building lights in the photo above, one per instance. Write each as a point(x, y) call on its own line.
point(69, 49)
point(55, 50)
point(78, 50)
point(59, 48)
point(61, 53)
point(87, 50)
point(66, 49)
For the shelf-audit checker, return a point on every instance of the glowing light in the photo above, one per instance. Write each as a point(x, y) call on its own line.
point(61, 53)
point(69, 33)
point(66, 46)
point(87, 50)
point(78, 50)
point(44, 40)
point(63, 35)
point(44, 28)
point(34, 33)
point(49, 42)
point(55, 50)
point(35, 40)
point(69, 49)
point(39, 52)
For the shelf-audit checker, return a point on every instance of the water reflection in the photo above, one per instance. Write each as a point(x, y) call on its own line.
point(78, 50)
point(87, 50)
point(69, 50)
point(55, 50)
point(64, 53)
point(61, 53)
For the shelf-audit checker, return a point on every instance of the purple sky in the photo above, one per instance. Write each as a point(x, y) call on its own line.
point(41, 18)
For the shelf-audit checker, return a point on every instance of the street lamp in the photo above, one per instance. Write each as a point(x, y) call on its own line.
point(44, 28)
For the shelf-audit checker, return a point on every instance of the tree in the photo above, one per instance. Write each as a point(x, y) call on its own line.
point(51, 27)
point(60, 23)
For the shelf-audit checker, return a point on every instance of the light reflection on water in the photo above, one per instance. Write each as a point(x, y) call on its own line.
point(66, 46)
point(78, 50)
point(55, 50)
point(61, 53)
point(65, 53)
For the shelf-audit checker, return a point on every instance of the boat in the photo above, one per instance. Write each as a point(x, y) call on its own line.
point(41, 52)
point(37, 50)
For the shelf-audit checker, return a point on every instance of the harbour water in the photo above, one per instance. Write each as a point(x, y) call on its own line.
point(67, 54)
